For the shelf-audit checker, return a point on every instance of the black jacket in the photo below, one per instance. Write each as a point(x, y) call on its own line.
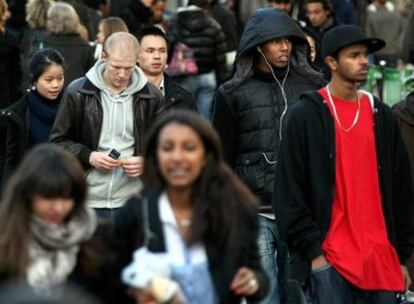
point(248, 110)
point(404, 113)
point(136, 16)
point(9, 69)
point(78, 123)
point(305, 176)
point(128, 235)
point(17, 143)
point(177, 97)
point(227, 19)
point(197, 29)
point(77, 53)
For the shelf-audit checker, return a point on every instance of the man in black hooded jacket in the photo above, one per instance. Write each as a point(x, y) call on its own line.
point(343, 195)
point(272, 69)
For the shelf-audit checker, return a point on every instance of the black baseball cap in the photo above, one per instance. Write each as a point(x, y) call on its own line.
point(342, 36)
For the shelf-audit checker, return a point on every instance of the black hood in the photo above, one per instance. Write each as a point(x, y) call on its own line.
point(192, 18)
point(267, 24)
point(264, 25)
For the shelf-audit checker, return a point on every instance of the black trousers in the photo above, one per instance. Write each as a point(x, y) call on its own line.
point(327, 286)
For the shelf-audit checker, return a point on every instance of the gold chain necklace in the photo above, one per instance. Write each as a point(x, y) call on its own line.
point(336, 114)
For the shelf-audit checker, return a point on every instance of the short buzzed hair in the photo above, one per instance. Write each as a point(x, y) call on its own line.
point(121, 43)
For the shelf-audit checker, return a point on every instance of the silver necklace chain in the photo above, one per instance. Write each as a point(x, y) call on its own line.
point(336, 114)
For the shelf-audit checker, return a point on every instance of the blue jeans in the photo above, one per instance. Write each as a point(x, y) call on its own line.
point(327, 286)
point(267, 243)
point(202, 87)
point(106, 213)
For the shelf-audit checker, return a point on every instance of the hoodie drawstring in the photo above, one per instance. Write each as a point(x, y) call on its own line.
point(114, 101)
point(282, 89)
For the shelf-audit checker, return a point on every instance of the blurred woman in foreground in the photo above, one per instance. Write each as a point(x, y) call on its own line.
point(46, 228)
point(200, 217)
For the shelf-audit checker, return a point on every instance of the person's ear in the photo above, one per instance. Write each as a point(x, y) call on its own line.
point(104, 55)
point(331, 63)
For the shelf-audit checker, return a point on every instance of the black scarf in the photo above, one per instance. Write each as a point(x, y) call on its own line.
point(267, 76)
point(42, 113)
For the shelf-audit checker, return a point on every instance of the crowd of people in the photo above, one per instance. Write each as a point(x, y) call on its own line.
point(224, 152)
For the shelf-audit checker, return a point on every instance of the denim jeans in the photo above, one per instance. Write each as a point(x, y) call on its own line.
point(327, 286)
point(106, 213)
point(202, 87)
point(267, 243)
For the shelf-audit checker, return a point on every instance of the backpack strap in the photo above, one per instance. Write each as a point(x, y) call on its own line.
point(370, 98)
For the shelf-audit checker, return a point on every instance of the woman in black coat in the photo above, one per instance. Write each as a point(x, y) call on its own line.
point(30, 119)
point(199, 215)
point(63, 28)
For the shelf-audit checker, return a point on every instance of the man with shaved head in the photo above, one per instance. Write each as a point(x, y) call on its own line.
point(103, 119)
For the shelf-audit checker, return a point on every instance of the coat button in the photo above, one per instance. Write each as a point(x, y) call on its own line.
point(247, 162)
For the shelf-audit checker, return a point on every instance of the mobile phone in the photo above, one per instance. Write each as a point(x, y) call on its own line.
point(114, 154)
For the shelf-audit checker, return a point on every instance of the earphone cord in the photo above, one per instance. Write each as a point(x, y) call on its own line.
point(282, 90)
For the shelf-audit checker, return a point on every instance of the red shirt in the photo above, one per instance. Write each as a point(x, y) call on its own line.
point(357, 244)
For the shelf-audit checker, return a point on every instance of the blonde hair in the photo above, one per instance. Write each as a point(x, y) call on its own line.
point(36, 12)
point(62, 19)
point(83, 32)
point(122, 43)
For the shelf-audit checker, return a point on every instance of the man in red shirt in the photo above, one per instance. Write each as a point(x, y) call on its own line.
point(343, 197)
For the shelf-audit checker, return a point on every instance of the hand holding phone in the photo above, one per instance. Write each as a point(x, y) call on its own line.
point(102, 161)
point(114, 154)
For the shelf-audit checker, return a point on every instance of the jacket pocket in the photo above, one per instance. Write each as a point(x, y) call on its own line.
point(321, 269)
point(251, 169)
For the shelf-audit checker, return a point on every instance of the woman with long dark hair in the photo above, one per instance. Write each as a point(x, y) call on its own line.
point(199, 214)
point(46, 228)
point(30, 119)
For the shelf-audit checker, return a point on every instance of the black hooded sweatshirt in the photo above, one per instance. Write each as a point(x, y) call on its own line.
point(305, 172)
point(249, 109)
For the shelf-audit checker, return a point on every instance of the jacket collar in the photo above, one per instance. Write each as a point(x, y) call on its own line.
point(169, 85)
point(157, 242)
point(318, 101)
point(89, 89)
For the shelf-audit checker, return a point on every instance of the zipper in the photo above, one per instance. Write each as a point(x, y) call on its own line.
point(329, 127)
point(108, 196)
point(378, 148)
point(141, 130)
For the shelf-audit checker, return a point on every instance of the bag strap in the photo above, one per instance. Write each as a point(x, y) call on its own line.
point(148, 234)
